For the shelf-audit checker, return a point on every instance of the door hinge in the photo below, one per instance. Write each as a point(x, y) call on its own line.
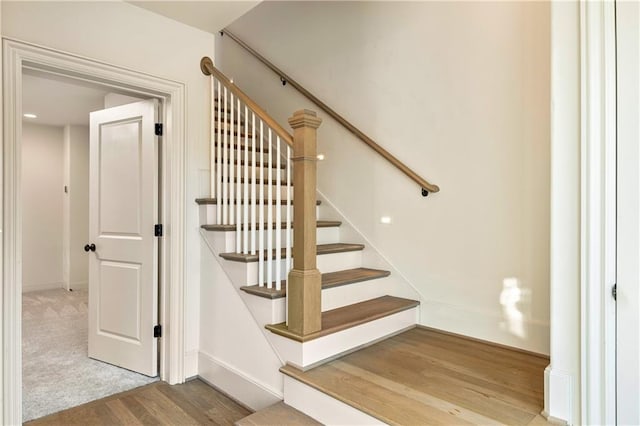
point(158, 129)
point(157, 331)
point(614, 292)
point(158, 230)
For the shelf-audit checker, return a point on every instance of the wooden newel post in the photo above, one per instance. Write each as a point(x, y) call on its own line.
point(305, 284)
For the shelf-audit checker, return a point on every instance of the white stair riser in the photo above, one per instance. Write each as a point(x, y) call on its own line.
point(305, 355)
point(265, 311)
point(225, 241)
point(247, 273)
point(322, 407)
point(349, 294)
point(208, 213)
point(261, 171)
point(274, 191)
point(260, 157)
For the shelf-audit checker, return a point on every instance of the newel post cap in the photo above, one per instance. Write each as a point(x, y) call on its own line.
point(305, 118)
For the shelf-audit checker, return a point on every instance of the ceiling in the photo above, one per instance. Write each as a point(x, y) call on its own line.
point(58, 101)
point(210, 16)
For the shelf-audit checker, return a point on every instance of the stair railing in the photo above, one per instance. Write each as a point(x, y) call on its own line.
point(245, 139)
point(426, 187)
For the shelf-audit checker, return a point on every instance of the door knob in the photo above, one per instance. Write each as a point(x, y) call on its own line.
point(90, 247)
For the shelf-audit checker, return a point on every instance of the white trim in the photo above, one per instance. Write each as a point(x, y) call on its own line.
point(44, 286)
point(598, 211)
point(18, 55)
point(235, 383)
point(561, 405)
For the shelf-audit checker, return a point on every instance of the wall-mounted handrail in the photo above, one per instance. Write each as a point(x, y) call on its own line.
point(207, 67)
point(424, 184)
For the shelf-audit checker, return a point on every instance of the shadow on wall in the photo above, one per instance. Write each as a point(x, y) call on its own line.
point(516, 304)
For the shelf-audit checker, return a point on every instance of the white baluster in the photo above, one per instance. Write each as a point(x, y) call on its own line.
point(261, 251)
point(289, 239)
point(238, 183)
point(278, 227)
point(225, 163)
point(212, 141)
point(254, 177)
point(270, 208)
point(245, 242)
point(219, 159)
point(232, 184)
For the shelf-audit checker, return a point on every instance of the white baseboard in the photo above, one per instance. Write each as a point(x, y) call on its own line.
point(322, 407)
point(79, 285)
point(236, 384)
point(528, 335)
point(558, 396)
point(191, 364)
point(43, 286)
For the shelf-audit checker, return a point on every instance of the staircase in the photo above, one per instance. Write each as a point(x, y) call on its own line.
point(282, 248)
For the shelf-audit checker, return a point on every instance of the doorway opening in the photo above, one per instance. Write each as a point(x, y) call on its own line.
point(58, 372)
point(20, 58)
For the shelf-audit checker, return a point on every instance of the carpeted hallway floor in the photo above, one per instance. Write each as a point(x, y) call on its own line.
point(56, 371)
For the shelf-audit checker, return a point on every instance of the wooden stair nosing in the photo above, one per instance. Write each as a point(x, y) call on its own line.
point(204, 201)
point(349, 316)
point(329, 280)
point(321, 250)
point(231, 228)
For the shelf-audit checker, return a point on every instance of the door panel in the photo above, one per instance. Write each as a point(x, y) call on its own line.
point(123, 271)
point(628, 246)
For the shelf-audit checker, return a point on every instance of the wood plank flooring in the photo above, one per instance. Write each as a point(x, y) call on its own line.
point(425, 377)
point(192, 403)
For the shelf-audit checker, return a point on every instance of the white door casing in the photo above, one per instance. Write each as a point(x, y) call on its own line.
point(18, 55)
point(123, 210)
point(628, 245)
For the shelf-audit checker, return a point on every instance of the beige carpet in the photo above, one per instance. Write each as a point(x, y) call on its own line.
point(56, 371)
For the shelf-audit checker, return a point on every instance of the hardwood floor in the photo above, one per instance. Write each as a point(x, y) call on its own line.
point(192, 403)
point(423, 377)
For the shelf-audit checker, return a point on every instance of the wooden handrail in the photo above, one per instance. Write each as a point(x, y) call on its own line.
point(426, 186)
point(207, 67)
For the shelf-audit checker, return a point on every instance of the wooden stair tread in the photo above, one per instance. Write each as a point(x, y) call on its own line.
point(321, 249)
point(277, 414)
point(258, 164)
point(350, 316)
point(329, 280)
point(202, 201)
point(227, 228)
point(424, 377)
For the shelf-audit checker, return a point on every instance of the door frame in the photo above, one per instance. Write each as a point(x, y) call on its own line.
point(18, 55)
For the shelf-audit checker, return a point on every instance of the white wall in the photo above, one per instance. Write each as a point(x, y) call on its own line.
point(42, 198)
point(116, 99)
point(125, 35)
point(76, 140)
point(460, 93)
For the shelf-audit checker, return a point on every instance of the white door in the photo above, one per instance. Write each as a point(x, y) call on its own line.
point(628, 247)
point(123, 267)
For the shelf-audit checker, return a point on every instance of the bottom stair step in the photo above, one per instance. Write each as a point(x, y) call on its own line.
point(349, 316)
point(277, 414)
point(422, 377)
